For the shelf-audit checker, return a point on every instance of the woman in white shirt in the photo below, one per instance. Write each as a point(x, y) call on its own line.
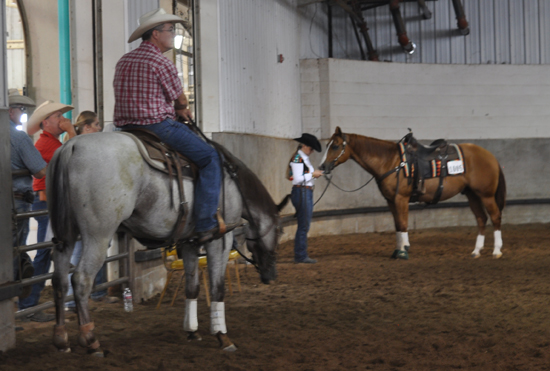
point(303, 176)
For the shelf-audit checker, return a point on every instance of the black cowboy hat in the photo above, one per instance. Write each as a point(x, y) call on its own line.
point(309, 140)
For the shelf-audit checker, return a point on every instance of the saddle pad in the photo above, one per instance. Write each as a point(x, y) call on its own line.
point(431, 168)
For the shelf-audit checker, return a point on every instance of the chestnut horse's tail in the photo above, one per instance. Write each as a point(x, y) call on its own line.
point(500, 194)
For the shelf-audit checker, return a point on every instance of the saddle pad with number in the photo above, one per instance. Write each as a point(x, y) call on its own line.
point(448, 157)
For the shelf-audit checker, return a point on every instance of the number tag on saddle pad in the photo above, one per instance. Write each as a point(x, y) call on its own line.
point(455, 167)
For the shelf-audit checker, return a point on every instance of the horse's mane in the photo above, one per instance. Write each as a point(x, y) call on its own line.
point(367, 146)
point(250, 185)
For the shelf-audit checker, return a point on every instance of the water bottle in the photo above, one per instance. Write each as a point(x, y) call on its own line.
point(128, 301)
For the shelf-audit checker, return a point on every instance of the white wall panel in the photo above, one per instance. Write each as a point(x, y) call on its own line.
point(258, 94)
point(532, 29)
point(133, 10)
point(437, 101)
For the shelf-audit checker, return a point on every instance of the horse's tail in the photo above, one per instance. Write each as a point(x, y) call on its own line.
point(500, 194)
point(283, 203)
point(57, 188)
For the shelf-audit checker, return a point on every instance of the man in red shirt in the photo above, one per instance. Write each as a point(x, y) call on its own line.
point(48, 117)
point(149, 95)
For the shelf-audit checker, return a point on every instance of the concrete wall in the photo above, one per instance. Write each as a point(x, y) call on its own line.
point(382, 100)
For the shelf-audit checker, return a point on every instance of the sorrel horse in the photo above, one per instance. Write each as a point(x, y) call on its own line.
point(96, 196)
point(482, 182)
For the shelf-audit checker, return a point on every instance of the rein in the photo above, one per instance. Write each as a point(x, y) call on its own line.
point(233, 175)
point(329, 178)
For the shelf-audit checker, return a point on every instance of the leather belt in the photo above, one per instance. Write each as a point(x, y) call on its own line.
point(306, 187)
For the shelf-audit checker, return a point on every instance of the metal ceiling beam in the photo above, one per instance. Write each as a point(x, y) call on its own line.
point(355, 13)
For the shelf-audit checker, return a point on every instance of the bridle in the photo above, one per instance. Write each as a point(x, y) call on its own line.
point(344, 144)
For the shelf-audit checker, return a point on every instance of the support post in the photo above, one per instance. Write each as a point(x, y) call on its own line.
point(7, 317)
point(98, 59)
point(329, 16)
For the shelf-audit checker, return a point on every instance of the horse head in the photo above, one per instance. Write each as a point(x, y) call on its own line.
point(337, 151)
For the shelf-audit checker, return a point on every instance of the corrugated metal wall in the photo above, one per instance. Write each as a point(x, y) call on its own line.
point(501, 32)
point(258, 94)
point(135, 9)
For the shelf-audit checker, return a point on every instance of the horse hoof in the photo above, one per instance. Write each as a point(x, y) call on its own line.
point(193, 336)
point(497, 256)
point(231, 348)
point(225, 343)
point(65, 350)
point(475, 256)
point(98, 353)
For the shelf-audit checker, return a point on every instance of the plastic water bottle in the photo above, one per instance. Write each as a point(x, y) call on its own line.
point(128, 301)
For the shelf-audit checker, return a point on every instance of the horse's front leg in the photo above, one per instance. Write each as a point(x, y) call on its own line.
point(400, 211)
point(60, 283)
point(192, 288)
point(217, 255)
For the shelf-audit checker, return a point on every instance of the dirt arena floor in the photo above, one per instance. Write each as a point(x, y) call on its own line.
point(354, 310)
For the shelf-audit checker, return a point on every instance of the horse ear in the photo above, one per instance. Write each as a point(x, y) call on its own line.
point(338, 131)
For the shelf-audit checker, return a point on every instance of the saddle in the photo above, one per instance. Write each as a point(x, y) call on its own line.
point(159, 155)
point(439, 159)
point(169, 161)
point(162, 157)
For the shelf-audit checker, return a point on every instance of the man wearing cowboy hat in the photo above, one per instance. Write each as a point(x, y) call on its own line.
point(303, 176)
point(48, 117)
point(24, 155)
point(149, 95)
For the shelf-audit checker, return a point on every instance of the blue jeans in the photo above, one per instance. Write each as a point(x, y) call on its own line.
point(302, 199)
point(100, 278)
point(42, 260)
point(207, 188)
point(20, 237)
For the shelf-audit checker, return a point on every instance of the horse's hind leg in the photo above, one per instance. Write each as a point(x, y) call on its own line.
point(60, 283)
point(481, 218)
point(496, 214)
point(192, 288)
point(94, 251)
point(217, 255)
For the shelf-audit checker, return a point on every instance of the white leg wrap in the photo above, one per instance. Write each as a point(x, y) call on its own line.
point(498, 239)
point(402, 240)
point(480, 242)
point(190, 321)
point(498, 244)
point(217, 317)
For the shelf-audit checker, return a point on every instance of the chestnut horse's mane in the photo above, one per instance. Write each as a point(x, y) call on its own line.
point(364, 147)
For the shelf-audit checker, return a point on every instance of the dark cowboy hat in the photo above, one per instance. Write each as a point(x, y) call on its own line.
point(309, 140)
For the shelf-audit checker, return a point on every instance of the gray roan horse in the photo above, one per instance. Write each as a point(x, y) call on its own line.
point(99, 184)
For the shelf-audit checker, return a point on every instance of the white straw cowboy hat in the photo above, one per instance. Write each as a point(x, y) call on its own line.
point(151, 20)
point(42, 112)
point(16, 99)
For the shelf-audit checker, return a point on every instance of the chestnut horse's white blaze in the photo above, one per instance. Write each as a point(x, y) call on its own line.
point(99, 184)
point(483, 183)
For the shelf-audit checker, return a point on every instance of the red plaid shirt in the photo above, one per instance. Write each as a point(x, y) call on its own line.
point(146, 84)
